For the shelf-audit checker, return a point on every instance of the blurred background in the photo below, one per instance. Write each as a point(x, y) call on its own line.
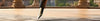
point(92, 3)
point(50, 14)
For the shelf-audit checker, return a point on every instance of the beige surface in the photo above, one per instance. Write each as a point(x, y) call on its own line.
point(55, 13)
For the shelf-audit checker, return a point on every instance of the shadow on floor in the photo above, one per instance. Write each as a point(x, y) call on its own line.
point(69, 20)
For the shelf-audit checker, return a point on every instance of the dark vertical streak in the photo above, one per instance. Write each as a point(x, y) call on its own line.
point(42, 6)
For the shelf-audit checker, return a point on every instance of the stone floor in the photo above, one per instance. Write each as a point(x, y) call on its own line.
point(33, 18)
point(49, 14)
point(69, 20)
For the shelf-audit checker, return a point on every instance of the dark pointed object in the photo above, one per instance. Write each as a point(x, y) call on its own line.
point(42, 6)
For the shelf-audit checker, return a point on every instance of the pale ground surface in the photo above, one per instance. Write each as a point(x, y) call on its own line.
point(32, 14)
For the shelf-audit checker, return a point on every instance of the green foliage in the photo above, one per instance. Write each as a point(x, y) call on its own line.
point(93, 4)
point(75, 3)
point(60, 4)
point(67, 4)
point(31, 1)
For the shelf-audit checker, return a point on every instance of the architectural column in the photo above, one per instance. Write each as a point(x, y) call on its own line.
point(2, 3)
point(83, 3)
point(18, 4)
point(35, 3)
